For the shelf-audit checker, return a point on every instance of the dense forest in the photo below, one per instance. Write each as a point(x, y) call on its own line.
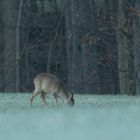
point(92, 45)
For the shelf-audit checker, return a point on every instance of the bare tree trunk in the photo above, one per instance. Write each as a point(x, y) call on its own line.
point(136, 27)
point(107, 47)
point(52, 43)
point(18, 44)
point(68, 23)
point(81, 45)
point(125, 46)
point(1, 53)
point(9, 36)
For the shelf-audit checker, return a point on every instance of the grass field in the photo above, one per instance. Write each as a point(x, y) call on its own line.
point(92, 118)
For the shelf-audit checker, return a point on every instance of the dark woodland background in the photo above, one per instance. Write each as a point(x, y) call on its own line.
point(92, 45)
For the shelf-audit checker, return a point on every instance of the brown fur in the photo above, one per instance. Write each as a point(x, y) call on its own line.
point(46, 83)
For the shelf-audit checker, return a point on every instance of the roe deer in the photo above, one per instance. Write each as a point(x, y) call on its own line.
point(46, 83)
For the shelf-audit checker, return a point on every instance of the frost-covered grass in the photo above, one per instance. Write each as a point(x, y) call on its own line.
point(92, 118)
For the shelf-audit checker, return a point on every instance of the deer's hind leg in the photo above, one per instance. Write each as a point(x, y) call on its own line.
point(43, 95)
point(33, 96)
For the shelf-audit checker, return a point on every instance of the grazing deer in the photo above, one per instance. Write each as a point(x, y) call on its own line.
point(46, 83)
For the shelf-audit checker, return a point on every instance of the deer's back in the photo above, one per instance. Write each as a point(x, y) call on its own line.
point(48, 83)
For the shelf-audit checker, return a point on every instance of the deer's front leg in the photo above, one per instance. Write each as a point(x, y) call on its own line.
point(56, 98)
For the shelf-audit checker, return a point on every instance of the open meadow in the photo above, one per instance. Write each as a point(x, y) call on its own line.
point(96, 117)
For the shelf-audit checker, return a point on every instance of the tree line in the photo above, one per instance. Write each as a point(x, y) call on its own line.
point(92, 45)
